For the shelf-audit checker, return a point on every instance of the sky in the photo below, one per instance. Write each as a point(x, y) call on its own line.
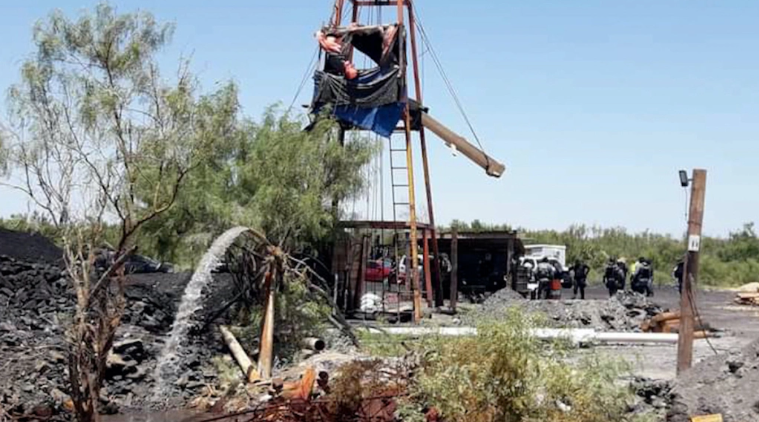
point(592, 105)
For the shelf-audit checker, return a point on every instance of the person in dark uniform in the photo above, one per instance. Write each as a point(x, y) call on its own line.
point(678, 272)
point(613, 277)
point(580, 279)
point(544, 274)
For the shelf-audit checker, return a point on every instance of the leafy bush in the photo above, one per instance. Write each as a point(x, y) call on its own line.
point(505, 374)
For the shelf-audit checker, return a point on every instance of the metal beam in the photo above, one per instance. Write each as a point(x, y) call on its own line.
point(491, 166)
point(387, 225)
point(377, 3)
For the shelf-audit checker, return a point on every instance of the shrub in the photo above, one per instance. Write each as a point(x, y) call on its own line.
point(505, 374)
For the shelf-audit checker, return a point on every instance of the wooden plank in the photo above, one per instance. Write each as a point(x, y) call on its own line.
point(707, 418)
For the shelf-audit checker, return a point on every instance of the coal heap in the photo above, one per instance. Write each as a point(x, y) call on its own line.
point(31, 247)
point(725, 384)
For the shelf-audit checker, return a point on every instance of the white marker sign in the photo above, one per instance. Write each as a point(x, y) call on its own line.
point(694, 243)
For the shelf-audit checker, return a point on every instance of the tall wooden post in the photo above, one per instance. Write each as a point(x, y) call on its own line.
point(690, 277)
point(454, 268)
point(266, 351)
point(426, 265)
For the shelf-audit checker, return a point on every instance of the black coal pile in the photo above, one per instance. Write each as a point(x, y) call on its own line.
point(36, 307)
point(726, 384)
point(624, 312)
point(32, 247)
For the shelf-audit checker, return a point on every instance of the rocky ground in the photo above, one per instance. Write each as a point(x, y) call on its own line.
point(35, 306)
point(625, 312)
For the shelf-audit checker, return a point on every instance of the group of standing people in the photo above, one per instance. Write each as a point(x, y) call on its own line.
point(641, 276)
point(615, 276)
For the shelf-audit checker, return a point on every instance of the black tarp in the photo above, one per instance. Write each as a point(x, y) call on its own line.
point(372, 88)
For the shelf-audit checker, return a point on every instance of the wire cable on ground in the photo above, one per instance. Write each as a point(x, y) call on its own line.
point(694, 309)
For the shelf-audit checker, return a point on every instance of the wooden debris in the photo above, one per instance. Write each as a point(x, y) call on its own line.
point(707, 418)
point(749, 299)
point(669, 322)
point(300, 389)
point(250, 371)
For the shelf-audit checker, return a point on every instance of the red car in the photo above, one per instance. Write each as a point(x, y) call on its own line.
point(378, 270)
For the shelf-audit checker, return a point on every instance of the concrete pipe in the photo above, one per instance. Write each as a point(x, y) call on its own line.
point(313, 343)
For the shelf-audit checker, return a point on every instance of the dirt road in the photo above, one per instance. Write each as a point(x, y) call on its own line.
point(740, 325)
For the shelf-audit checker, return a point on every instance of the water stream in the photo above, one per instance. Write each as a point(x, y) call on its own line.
point(167, 366)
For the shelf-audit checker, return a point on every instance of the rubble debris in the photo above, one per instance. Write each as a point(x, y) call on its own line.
point(745, 298)
point(669, 322)
point(652, 397)
point(624, 312)
point(724, 384)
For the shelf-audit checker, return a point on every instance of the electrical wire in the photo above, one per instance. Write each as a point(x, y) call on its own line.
point(694, 309)
point(309, 70)
point(446, 80)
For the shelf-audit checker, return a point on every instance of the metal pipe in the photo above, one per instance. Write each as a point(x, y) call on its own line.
point(578, 335)
point(491, 166)
point(313, 343)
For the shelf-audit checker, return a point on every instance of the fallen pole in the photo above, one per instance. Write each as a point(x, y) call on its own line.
point(251, 374)
point(576, 335)
point(492, 167)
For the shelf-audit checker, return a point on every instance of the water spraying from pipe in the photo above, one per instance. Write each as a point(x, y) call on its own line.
point(167, 366)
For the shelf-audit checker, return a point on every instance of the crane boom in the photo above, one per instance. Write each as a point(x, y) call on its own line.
point(492, 167)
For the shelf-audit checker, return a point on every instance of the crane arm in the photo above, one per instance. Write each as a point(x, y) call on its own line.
point(492, 167)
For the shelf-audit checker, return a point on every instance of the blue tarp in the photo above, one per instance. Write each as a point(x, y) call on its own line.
point(381, 120)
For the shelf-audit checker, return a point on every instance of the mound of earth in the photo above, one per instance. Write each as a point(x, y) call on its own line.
point(726, 384)
point(29, 247)
point(624, 312)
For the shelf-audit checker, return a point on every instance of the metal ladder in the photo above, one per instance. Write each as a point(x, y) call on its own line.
point(395, 185)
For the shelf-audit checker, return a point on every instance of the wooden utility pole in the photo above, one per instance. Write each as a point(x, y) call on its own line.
point(454, 268)
point(266, 350)
point(690, 276)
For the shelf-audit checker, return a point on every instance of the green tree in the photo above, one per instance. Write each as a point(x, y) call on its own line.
point(96, 134)
point(270, 175)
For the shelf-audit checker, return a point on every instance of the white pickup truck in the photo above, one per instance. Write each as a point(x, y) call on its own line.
point(556, 255)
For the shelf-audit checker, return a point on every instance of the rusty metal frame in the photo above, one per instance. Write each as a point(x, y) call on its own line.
point(412, 224)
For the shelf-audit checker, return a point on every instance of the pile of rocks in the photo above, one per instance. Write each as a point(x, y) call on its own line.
point(29, 247)
point(724, 384)
point(36, 306)
point(624, 312)
point(36, 288)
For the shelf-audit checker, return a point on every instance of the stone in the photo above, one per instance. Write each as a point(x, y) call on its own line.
point(57, 357)
point(59, 396)
point(41, 366)
point(733, 366)
point(195, 384)
point(133, 349)
point(27, 388)
point(182, 381)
